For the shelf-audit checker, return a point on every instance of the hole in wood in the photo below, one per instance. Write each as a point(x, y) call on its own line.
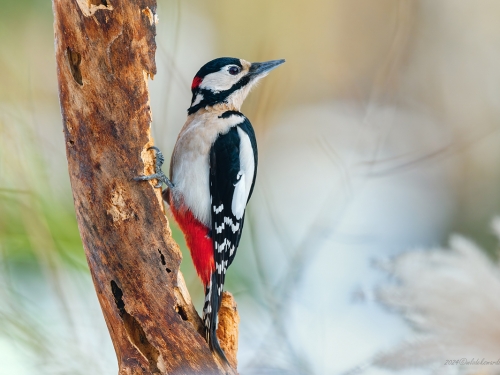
point(98, 2)
point(162, 257)
point(74, 60)
point(135, 332)
point(118, 294)
point(181, 311)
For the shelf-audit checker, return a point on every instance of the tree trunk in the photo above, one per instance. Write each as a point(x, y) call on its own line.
point(105, 51)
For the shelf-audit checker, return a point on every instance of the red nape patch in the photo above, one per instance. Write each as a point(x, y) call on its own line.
point(196, 82)
point(198, 242)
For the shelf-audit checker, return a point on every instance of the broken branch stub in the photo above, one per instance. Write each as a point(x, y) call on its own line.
point(105, 52)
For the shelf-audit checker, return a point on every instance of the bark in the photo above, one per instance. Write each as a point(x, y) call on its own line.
point(105, 52)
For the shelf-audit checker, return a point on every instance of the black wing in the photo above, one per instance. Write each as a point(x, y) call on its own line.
point(248, 129)
point(226, 227)
point(224, 175)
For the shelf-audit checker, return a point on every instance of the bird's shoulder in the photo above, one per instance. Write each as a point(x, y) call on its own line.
point(207, 126)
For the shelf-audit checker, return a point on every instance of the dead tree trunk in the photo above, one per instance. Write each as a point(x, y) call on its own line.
point(105, 51)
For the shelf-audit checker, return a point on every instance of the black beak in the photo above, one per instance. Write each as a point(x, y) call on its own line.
point(261, 69)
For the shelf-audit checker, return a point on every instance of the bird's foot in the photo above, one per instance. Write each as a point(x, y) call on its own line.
point(158, 175)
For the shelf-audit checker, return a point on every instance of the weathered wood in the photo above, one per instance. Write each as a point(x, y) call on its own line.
point(105, 51)
point(227, 331)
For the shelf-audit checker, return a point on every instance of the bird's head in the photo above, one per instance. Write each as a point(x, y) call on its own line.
point(227, 80)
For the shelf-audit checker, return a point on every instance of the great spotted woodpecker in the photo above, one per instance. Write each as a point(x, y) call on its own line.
point(212, 174)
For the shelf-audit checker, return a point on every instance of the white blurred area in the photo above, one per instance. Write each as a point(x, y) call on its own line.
point(321, 224)
point(378, 136)
point(450, 298)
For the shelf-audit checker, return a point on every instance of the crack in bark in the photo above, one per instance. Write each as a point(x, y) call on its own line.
point(98, 2)
point(182, 312)
point(74, 61)
point(136, 334)
point(89, 7)
point(163, 262)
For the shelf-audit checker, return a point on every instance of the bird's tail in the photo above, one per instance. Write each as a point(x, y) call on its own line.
point(210, 315)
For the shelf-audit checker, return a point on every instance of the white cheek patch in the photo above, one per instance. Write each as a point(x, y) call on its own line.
point(219, 81)
point(198, 99)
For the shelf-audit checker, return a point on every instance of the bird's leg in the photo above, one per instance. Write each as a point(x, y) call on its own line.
point(158, 175)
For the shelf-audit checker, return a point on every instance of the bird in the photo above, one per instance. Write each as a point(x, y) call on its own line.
point(212, 174)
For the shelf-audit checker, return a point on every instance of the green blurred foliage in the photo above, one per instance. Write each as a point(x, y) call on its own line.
point(38, 228)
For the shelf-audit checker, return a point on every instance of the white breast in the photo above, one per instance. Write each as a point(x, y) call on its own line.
point(190, 161)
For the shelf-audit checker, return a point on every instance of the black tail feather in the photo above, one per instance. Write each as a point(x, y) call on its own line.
point(210, 316)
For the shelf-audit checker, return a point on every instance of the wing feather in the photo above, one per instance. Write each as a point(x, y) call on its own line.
point(231, 184)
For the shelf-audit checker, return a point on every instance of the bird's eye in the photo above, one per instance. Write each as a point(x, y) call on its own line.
point(234, 70)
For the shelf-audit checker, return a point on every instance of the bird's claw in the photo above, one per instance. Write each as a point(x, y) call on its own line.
point(160, 159)
point(158, 175)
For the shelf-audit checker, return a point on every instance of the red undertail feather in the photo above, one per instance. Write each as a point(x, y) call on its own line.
point(198, 242)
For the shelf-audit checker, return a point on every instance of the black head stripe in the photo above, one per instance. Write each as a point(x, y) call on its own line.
point(211, 98)
point(228, 114)
point(216, 65)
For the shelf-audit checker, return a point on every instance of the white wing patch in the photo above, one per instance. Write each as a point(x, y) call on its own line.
point(218, 209)
point(221, 247)
point(245, 175)
point(239, 200)
point(234, 227)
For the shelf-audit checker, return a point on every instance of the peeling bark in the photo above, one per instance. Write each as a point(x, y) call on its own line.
point(105, 52)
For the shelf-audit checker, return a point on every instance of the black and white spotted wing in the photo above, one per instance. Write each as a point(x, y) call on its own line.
point(233, 166)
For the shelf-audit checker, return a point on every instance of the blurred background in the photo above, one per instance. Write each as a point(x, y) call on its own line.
point(379, 138)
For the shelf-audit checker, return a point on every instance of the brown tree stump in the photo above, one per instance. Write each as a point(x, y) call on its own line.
point(105, 51)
